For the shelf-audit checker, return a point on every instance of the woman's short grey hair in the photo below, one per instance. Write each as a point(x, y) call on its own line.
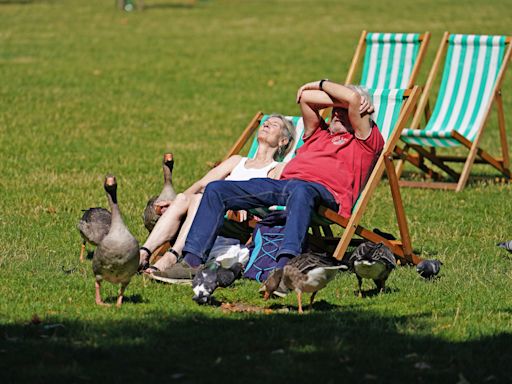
point(288, 131)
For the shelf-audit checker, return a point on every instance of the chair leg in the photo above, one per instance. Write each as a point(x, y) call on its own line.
point(503, 133)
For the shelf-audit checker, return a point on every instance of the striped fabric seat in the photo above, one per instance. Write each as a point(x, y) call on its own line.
point(298, 124)
point(470, 74)
point(389, 60)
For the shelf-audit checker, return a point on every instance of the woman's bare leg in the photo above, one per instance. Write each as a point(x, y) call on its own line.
point(167, 226)
point(191, 213)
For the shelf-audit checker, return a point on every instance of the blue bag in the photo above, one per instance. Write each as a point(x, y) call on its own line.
point(266, 240)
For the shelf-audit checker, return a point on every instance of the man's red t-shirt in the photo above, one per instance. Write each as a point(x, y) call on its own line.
point(340, 162)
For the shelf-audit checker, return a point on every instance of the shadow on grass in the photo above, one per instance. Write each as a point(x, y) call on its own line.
point(344, 344)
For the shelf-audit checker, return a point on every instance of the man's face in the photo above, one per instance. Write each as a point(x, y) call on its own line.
point(339, 121)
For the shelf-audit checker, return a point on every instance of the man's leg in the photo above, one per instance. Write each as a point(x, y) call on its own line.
point(219, 196)
point(303, 198)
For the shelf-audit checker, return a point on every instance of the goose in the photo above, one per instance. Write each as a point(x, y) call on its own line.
point(168, 193)
point(308, 272)
point(93, 226)
point(372, 261)
point(116, 258)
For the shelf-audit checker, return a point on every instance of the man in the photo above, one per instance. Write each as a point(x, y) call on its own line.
point(329, 169)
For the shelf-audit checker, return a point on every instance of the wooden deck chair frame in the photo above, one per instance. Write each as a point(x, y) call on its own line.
point(476, 154)
point(401, 248)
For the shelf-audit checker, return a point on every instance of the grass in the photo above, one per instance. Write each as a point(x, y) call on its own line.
point(87, 90)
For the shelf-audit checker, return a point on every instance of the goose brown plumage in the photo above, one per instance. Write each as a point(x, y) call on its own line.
point(168, 193)
point(116, 258)
point(93, 227)
point(308, 272)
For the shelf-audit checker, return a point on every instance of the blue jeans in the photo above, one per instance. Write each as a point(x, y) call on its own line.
point(300, 198)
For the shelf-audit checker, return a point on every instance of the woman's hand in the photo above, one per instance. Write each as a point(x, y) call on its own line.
point(162, 206)
point(314, 85)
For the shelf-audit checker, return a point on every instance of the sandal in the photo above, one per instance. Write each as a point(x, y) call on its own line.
point(144, 264)
point(163, 263)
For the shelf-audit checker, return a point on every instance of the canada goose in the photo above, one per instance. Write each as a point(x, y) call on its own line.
point(116, 258)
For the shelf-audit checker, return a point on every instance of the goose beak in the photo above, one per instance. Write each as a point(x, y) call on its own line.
point(168, 157)
point(266, 296)
point(110, 180)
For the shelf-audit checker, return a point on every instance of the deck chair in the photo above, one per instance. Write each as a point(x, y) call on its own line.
point(393, 109)
point(391, 60)
point(473, 73)
point(388, 60)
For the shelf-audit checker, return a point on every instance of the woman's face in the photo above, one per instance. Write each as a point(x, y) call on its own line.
point(340, 122)
point(271, 132)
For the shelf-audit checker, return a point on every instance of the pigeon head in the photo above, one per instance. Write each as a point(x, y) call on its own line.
point(429, 268)
point(272, 282)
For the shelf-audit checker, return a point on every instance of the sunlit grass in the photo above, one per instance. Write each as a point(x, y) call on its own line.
point(87, 89)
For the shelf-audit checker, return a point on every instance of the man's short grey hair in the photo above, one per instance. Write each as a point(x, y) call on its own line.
point(288, 131)
point(362, 91)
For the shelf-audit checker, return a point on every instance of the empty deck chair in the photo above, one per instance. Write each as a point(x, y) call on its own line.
point(391, 60)
point(473, 73)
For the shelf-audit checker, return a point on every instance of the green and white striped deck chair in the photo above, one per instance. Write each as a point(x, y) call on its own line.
point(473, 73)
point(391, 60)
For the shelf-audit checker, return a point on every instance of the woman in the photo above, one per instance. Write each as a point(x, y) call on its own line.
point(275, 136)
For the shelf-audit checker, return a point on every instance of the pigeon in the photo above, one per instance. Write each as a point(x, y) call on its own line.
point(506, 245)
point(93, 227)
point(116, 259)
point(428, 269)
point(211, 276)
point(372, 261)
point(150, 215)
point(308, 272)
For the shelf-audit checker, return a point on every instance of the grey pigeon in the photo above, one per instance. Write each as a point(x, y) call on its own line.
point(210, 277)
point(308, 272)
point(506, 245)
point(150, 215)
point(428, 269)
point(93, 227)
point(116, 258)
point(372, 261)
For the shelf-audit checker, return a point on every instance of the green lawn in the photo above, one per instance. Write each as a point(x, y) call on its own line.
point(86, 89)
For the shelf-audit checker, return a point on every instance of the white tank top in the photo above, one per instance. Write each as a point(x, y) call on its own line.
point(241, 173)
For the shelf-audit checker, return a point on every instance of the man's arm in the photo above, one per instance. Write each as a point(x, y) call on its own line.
point(313, 98)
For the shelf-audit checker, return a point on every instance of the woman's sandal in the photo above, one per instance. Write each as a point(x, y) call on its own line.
point(152, 268)
point(145, 264)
